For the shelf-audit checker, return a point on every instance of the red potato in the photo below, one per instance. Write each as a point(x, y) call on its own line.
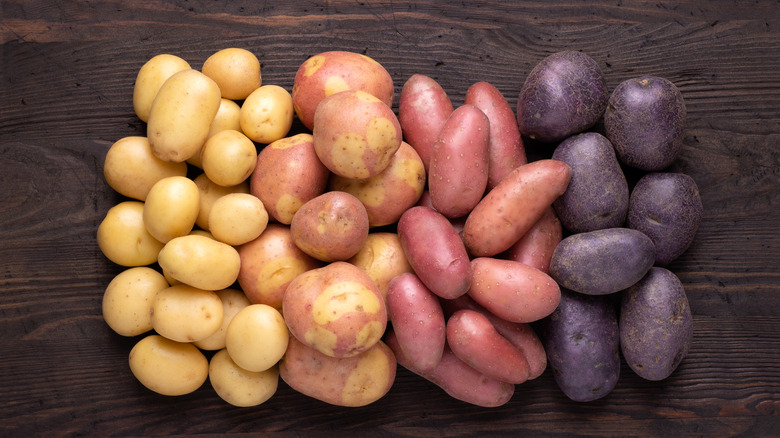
point(459, 162)
point(418, 320)
point(508, 211)
point(474, 340)
point(536, 247)
point(512, 290)
point(506, 144)
point(435, 251)
point(423, 107)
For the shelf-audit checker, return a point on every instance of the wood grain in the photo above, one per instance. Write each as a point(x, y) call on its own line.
point(66, 79)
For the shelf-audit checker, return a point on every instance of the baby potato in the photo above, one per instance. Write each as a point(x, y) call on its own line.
point(233, 300)
point(228, 158)
point(209, 192)
point(168, 367)
point(237, 218)
point(150, 78)
point(127, 300)
point(267, 114)
point(200, 262)
point(183, 313)
point(132, 169)
point(238, 386)
point(226, 118)
point(235, 70)
point(250, 351)
point(171, 208)
point(382, 258)
point(123, 238)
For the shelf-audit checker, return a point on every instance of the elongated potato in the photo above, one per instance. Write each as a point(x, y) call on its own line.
point(200, 262)
point(150, 78)
point(536, 246)
point(423, 107)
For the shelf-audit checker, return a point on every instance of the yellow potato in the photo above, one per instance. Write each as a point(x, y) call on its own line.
point(233, 301)
point(127, 301)
point(209, 192)
point(267, 114)
point(200, 262)
point(186, 314)
point(237, 218)
point(235, 70)
point(382, 258)
point(181, 115)
point(150, 78)
point(123, 238)
point(238, 386)
point(248, 349)
point(171, 208)
point(226, 118)
point(131, 168)
point(228, 158)
point(168, 367)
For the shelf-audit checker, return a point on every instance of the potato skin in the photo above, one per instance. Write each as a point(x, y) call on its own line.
point(582, 342)
point(132, 169)
point(667, 208)
point(382, 258)
point(656, 325)
point(435, 251)
point(597, 195)
point(423, 108)
point(541, 112)
point(150, 78)
point(603, 261)
point(536, 246)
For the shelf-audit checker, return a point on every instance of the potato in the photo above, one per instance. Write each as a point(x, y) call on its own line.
point(183, 313)
point(335, 309)
point(435, 252)
point(228, 158)
point(457, 379)
point(459, 162)
point(181, 115)
point(603, 261)
point(508, 211)
point(475, 341)
point(269, 263)
point(200, 262)
point(287, 175)
point(235, 70)
point(168, 367)
point(390, 193)
point(132, 169)
point(352, 381)
point(645, 120)
point(382, 258)
point(257, 337)
point(208, 193)
point(127, 300)
point(512, 290)
point(226, 118)
point(150, 78)
point(237, 218)
point(506, 150)
point(233, 300)
point(418, 321)
point(330, 227)
point(667, 208)
point(171, 208)
point(355, 134)
point(123, 238)
point(238, 386)
point(330, 72)
point(423, 107)
point(656, 326)
point(564, 93)
point(582, 342)
point(597, 195)
point(267, 114)
point(536, 246)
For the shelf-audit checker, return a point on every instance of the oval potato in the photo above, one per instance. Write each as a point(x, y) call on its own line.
point(235, 70)
point(238, 386)
point(150, 78)
point(423, 108)
point(168, 367)
point(183, 313)
point(123, 238)
point(132, 169)
point(200, 262)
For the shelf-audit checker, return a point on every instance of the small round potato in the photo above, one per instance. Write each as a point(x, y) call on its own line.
point(228, 158)
point(226, 118)
point(267, 114)
point(168, 367)
point(186, 314)
point(171, 208)
point(235, 70)
point(127, 301)
point(238, 386)
point(150, 78)
point(132, 169)
point(209, 192)
point(200, 262)
point(233, 300)
point(123, 238)
point(237, 218)
point(250, 351)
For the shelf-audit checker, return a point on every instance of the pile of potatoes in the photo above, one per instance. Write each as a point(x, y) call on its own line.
point(424, 239)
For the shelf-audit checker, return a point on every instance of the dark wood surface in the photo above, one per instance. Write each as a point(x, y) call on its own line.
point(68, 69)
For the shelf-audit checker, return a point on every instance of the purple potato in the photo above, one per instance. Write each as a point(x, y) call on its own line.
point(644, 120)
point(603, 261)
point(565, 93)
point(597, 195)
point(667, 208)
point(582, 342)
point(656, 326)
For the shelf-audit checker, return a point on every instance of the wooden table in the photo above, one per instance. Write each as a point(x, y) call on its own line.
point(68, 69)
